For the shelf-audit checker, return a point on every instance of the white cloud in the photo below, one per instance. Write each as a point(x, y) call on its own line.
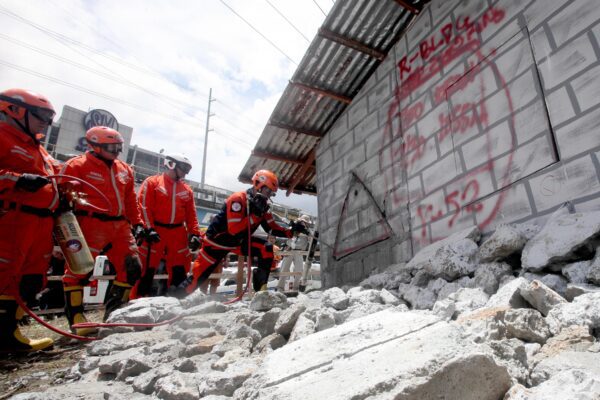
point(179, 50)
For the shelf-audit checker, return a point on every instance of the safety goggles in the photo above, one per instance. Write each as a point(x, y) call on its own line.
point(183, 168)
point(43, 114)
point(114, 148)
point(267, 192)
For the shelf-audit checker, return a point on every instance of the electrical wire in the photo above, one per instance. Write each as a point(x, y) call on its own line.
point(239, 113)
point(319, 7)
point(257, 31)
point(288, 21)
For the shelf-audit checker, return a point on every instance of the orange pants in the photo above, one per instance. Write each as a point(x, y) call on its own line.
point(25, 248)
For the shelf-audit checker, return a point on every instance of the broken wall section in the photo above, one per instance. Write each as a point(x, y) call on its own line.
point(483, 113)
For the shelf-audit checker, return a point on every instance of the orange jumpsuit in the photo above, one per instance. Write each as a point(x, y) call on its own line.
point(107, 233)
point(228, 232)
point(26, 221)
point(168, 207)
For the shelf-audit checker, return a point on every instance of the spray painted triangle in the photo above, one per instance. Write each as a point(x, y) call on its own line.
point(362, 223)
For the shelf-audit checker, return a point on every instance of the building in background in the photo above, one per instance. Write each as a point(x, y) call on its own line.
point(66, 139)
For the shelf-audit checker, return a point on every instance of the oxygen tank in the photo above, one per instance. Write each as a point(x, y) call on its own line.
point(72, 243)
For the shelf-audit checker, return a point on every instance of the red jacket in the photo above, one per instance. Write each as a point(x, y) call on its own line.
point(230, 226)
point(166, 201)
point(19, 154)
point(115, 183)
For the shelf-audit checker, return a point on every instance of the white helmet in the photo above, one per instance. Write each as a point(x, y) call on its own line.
point(171, 161)
point(304, 218)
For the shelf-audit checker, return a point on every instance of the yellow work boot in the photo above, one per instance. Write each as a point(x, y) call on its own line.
point(74, 310)
point(11, 338)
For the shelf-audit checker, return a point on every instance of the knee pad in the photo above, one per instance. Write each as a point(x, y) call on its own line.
point(177, 275)
point(133, 269)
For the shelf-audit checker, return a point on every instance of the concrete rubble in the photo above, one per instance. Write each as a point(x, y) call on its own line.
point(465, 319)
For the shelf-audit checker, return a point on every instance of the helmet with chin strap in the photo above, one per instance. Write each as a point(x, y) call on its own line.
point(100, 137)
point(19, 103)
point(266, 178)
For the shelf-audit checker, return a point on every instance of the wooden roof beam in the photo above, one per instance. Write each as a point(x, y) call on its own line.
point(353, 44)
point(408, 6)
point(327, 93)
point(301, 175)
point(286, 127)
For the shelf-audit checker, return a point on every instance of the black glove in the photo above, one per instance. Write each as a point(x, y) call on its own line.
point(139, 234)
point(180, 291)
point(152, 236)
point(299, 227)
point(31, 182)
point(194, 242)
point(259, 204)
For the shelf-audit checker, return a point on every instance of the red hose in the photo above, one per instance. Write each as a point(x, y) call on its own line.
point(33, 315)
point(106, 200)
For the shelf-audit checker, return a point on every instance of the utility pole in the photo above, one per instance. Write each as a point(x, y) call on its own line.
point(208, 115)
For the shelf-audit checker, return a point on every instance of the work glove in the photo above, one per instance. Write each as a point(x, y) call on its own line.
point(194, 242)
point(152, 236)
point(139, 234)
point(259, 204)
point(299, 227)
point(31, 182)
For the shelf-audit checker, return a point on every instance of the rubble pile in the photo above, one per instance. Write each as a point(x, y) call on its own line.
point(515, 316)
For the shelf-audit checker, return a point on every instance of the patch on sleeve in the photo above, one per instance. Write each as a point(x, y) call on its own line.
point(236, 206)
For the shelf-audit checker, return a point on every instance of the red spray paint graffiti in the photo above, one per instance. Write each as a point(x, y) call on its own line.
point(435, 54)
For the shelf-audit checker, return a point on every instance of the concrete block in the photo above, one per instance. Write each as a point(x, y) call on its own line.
point(343, 145)
point(382, 90)
point(586, 88)
point(348, 225)
point(354, 157)
point(423, 155)
point(440, 10)
point(567, 61)
point(489, 145)
point(357, 111)
point(504, 207)
point(366, 127)
point(573, 20)
point(580, 135)
point(415, 189)
point(420, 30)
point(324, 160)
point(532, 121)
point(560, 108)
point(524, 161)
point(573, 180)
point(369, 169)
point(339, 129)
point(333, 172)
point(440, 172)
point(538, 11)
point(375, 142)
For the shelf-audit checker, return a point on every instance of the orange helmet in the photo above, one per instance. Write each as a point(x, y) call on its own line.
point(99, 135)
point(265, 178)
point(17, 102)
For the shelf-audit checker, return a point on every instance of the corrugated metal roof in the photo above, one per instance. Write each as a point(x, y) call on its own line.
point(352, 42)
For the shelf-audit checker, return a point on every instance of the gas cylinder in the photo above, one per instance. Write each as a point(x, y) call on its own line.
point(72, 243)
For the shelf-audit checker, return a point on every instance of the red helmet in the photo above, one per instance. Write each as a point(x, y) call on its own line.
point(16, 102)
point(99, 135)
point(265, 178)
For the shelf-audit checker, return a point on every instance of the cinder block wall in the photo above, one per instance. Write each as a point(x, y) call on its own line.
point(485, 112)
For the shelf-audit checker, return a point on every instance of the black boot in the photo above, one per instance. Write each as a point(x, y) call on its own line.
point(74, 310)
point(117, 296)
point(11, 338)
point(260, 277)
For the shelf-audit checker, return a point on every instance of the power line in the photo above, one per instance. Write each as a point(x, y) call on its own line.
point(65, 40)
point(95, 93)
point(257, 31)
point(287, 20)
point(317, 4)
point(114, 78)
point(240, 141)
point(238, 113)
point(248, 133)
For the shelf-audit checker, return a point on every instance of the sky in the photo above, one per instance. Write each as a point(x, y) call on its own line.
point(152, 64)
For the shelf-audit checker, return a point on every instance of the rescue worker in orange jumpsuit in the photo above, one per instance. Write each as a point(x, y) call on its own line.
point(111, 233)
point(27, 202)
point(172, 229)
point(228, 232)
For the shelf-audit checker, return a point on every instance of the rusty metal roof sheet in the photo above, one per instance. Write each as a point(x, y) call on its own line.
point(351, 43)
